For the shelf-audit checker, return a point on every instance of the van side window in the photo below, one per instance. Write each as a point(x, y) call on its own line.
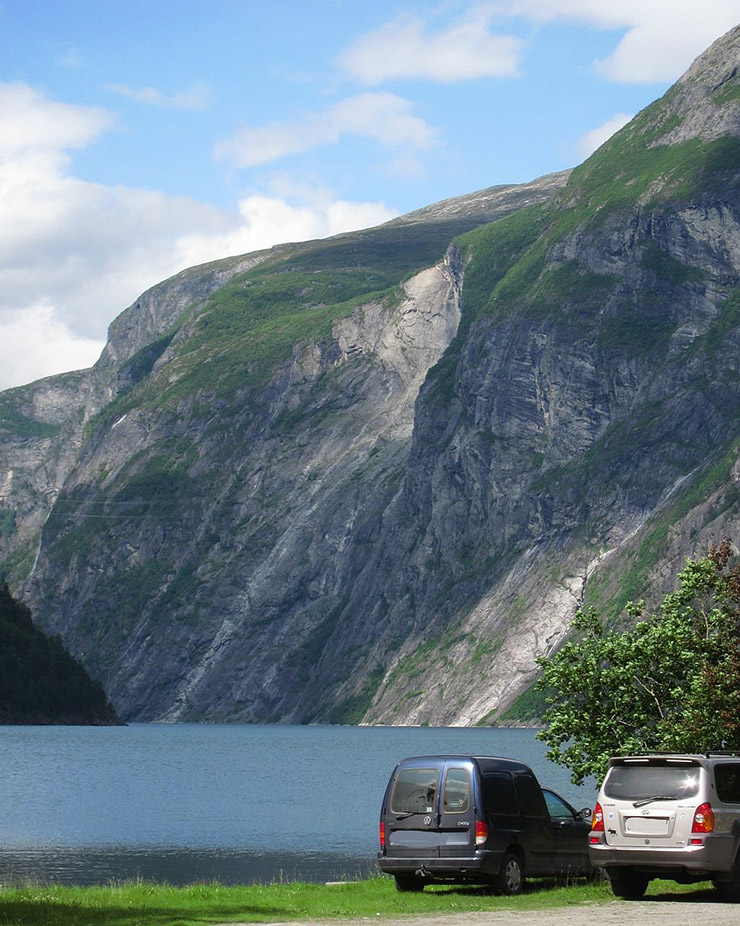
point(498, 793)
point(456, 794)
point(727, 779)
point(557, 808)
point(415, 790)
point(530, 796)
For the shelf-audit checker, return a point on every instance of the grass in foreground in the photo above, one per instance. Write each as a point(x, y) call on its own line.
point(133, 903)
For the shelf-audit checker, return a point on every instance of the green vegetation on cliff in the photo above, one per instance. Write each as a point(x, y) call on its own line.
point(39, 681)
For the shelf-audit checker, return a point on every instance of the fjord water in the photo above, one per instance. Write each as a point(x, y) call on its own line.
point(237, 804)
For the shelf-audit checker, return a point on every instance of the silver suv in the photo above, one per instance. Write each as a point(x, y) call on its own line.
point(669, 816)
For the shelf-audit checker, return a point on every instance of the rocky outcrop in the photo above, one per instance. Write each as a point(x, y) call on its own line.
point(370, 479)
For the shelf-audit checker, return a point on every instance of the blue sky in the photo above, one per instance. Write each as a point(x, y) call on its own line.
point(139, 138)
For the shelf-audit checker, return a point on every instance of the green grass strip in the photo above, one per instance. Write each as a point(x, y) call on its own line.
point(140, 902)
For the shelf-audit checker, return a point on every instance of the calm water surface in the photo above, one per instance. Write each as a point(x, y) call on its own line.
point(184, 803)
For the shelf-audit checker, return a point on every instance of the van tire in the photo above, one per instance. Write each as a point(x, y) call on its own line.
point(510, 878)
point(627, 884)
point(408, 883)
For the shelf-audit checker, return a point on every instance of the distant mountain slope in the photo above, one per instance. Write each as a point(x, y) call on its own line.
point(39, 681)
point(43, 426)
point(370, 478)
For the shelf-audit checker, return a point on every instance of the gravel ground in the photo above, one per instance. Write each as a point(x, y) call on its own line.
point(618, 913)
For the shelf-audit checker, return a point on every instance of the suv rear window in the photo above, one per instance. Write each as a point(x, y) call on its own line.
point(727, 779)
point(415, 790)
point(636, 782)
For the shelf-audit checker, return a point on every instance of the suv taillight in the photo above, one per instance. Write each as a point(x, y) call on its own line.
point(703, 819)
point(382, 835)
point(597, 820)
point(481, 832)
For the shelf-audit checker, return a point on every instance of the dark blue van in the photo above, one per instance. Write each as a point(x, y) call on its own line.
point(477, 819)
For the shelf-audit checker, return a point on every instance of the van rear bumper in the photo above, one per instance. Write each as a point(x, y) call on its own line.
point(716, 855)
point(481, 866)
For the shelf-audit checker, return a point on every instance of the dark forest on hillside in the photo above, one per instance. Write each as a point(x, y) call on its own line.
point(40, 682)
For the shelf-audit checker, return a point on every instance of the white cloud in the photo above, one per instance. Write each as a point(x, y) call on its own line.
point(31, 122)
point(33, 341)
point(383, 117)
point(594, 139)
point(73, 254)
point(405, 49)
point(194, 98)
point(268, 220)
point(661, 46)
point(662, 37)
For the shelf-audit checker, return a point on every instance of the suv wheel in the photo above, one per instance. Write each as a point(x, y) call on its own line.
point(510, 878)
point(730, 890)
point(407, 883)
point(627, 884)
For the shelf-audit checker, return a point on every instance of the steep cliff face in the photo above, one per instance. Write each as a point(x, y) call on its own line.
point(370, 479)
point(222, 446)
point(587, 423)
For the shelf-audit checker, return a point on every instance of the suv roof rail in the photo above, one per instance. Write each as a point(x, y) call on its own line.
point(658, 752)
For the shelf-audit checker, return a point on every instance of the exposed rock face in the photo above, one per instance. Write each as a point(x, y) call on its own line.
point(370, 479)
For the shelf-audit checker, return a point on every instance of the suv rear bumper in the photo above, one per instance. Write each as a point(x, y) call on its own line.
point(716, 854)
point(481, 866)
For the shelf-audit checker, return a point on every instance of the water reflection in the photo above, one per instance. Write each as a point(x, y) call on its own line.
point(112, 864)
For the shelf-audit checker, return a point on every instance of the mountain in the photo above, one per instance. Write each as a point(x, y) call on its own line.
point(369, 479)
point(40, 683)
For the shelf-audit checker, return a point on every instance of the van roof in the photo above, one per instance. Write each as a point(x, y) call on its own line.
point(485, 763)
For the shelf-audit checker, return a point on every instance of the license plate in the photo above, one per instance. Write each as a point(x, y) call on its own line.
point(646, 826)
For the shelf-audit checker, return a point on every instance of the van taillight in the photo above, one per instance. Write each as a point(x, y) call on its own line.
point(597, 820)
point(382, 835)
point(481, 832)
point(703, 819)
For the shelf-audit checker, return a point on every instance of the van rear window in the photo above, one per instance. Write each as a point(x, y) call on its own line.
point(456, 794)
point(639, 782)
point(415, 790)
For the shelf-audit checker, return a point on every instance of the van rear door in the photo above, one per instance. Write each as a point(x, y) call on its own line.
point(457, 810)
point(431, 810)
point(412, 810)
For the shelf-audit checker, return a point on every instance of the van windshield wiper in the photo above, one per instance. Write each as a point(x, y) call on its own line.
point(657, 797)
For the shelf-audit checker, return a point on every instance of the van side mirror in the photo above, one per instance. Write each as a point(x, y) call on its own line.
point(585, 814)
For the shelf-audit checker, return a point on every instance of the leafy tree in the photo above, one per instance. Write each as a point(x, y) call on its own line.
point(669, 684)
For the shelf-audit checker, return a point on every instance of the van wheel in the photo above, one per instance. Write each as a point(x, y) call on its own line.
point(627, 884)
point(408, 883)
point(510, 878)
